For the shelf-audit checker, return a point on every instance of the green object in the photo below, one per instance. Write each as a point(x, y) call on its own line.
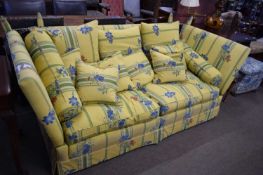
point(5, 24)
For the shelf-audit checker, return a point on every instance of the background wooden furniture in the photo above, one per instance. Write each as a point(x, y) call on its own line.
point(7, 113)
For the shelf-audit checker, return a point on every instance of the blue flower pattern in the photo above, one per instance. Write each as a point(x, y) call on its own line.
point(85, 29)
point(172, 63)
point(109, 36)
point(62, 71)
point(193, 55)
point(226, 48)
point(162, 123)
point(73, 101)
point(173, 42)
point(99, 78)
point(155, 114)
point(129, 51)
point(156, 30)
point(164, 109)
point(110, 114)
point(49, 119)
point(124, 137)
point(169, 94)
point(68, 124)
point(122, 123)
point(86, 149)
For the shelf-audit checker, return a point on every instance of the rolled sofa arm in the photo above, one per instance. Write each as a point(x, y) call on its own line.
point(225, 55)
point(33, 88)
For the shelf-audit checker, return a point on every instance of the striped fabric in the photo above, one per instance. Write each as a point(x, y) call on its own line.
point(134, 107)
point(117, 27)
point(225, 55)
point(115, 143)
point(124, 82)
point(186, 118)
point(97, 85)
point(5, 24)
point(84, 37)
point(54, 75)
point(33, 88)
point(167, 69)
point(159, 34)
point(69, 59)
point(127, 41)
point(200, 67)
point(139, 68)
point(175, 96)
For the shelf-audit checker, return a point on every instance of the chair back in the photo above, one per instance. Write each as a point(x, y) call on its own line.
point(24, 7)
point(70, 7)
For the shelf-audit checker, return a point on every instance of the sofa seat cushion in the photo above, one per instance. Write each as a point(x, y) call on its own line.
point(174, 96)
point(134, 107)
point(95, 119)
point(139, 105)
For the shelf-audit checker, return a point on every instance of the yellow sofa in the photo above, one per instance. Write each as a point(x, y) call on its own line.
point(86, 140)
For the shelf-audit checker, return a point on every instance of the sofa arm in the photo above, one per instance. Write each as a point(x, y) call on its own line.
point(33, 88)
point(225, 55)
point(200, 67)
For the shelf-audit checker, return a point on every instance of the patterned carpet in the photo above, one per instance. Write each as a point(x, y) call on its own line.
point(230, 144)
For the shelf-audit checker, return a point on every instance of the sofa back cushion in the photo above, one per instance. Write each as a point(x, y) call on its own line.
point(124, 82)
point(139, 68)
point(167, 69)
point(225, 55)
point(84, 37)
point(33, 88)
point(127, 41)
point(159, 34)
point(95, 85)
point(69, 59)
point(53, 74)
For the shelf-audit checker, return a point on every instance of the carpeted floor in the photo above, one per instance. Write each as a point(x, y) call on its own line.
point(228, 145)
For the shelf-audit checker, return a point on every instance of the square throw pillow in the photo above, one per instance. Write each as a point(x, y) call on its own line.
point(167, 69)
point(84, 37)
point(124, 82)
point(53, 74)
point(200, 67)
point(69, 59)
point(127, 41)
point(159, 34)
point(95, 85)
point(139, 68)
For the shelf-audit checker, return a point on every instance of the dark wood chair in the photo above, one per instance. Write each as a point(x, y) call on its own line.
point(79, 7)
point(24, 7)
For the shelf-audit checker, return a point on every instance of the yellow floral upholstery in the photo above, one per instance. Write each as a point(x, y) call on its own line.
point(167, 69)
point(140, 106)
point(117, 27)
point(225, 55)
point(127, 41)
point(200, 67)
point(84, 37)
point(124, 82)
point(69, 59)
point(175, 96)
point(112, 144)
point(94, 119)
point(97, 85)
point(54, 75)
point(159, 34)
point(103, 131)
point(139, 68)
point(33, 88)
